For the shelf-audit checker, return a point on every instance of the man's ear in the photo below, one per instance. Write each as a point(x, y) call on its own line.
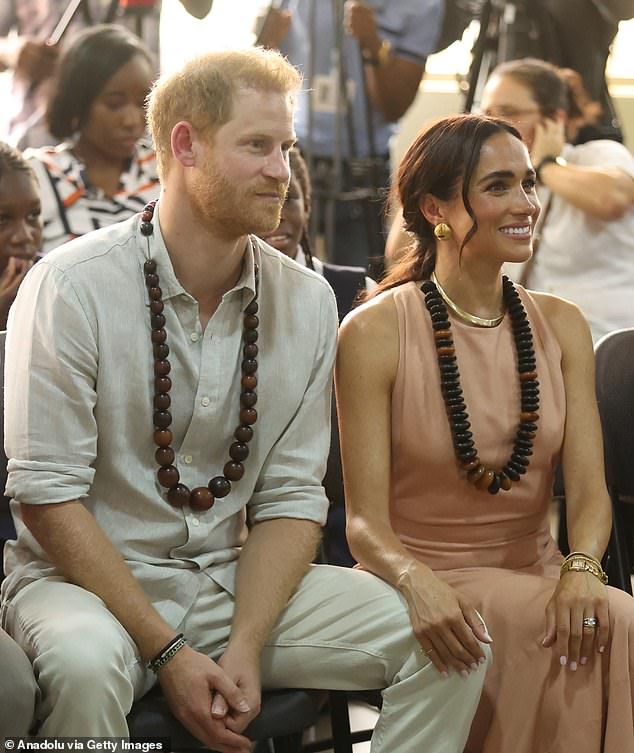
point(182, 142)
point(432, 210)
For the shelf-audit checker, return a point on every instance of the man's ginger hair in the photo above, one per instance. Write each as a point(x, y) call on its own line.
point(203, 90)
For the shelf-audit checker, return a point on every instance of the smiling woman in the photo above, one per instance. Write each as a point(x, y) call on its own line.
point(103, 171)
point(458, 394)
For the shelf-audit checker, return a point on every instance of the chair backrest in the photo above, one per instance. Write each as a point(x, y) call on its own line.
point(615, 395)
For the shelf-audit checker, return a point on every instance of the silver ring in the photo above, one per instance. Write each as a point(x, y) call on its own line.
point(590, 622)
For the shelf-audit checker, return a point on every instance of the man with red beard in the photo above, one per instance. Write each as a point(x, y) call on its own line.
point(165, 524)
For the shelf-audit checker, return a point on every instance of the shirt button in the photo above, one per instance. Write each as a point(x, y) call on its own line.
point(195, 522)
point(205, 401)
point(188, 459)
point(194, 337)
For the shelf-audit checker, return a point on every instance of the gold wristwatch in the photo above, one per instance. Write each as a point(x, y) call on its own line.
point(382, 57)
point(583, 565)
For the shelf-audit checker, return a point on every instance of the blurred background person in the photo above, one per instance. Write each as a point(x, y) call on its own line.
point(104, 170)
point(363, 63)
point(584, 250)
point(20, 225)
point(31, 35)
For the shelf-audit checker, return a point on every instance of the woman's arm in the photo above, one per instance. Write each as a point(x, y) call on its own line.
point(446, 626)
point(588, 509)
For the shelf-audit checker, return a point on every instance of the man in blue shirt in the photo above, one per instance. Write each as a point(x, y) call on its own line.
point(362, 63)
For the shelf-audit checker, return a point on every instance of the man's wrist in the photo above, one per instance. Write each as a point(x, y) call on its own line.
point(378, 54)
point(548, 159)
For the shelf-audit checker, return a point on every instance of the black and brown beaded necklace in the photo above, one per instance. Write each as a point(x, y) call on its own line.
point(179, 495)
point(483, 476)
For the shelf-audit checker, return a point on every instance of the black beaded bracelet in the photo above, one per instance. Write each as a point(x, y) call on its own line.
point(167, 652)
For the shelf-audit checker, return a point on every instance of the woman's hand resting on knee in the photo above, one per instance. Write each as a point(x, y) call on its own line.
point(579, 596)
point(448, 628)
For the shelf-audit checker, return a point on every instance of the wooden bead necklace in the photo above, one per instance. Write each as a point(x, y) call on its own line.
point(483, 476)
point(179, 495)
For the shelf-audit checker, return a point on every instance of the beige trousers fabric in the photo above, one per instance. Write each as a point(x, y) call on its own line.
point(343, 629)
point(18, 689)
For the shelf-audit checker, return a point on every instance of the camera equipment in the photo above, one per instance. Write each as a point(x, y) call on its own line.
point(511, 30)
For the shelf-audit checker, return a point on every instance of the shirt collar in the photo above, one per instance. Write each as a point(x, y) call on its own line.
point(170, 284)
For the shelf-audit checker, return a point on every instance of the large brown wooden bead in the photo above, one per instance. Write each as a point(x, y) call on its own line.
point(485, 480)
point(471, 465)
point(238, 451)
point(249, 366)
point(178, 496)
point(151, 280)
point(201, 499)
point(162, 401)
point(248, 399)
point(219, 486)
point(250, 351)
point(494, 486)
point(163, 437)
point(243, 434)
point(251, 321)
point(161, 351)
point(475, 474)
point(505, 481)
point(149, 266)
point(252, 308)
point(442, 333)
point(159, 336)
point(528, 416)
point(446, 350)
point(250, 335)
point(162, 368)
point(168, 476)
point(249, 381)
point(155, 293)
point(233, 471)
point(524, 377)
point(162, 384)
point(156, 307)
point(164, 456)
point(248, 416)
point(157, 321)
point(162, 419)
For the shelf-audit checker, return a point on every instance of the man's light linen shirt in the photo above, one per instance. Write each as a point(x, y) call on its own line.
point(79, 391)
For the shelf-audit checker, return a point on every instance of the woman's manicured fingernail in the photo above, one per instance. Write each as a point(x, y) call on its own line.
point(464, 673)
point(563, 660)
point(482, 660)
point(474, 667)
point(573, 666)
point(583, 660)
point(601, 649)
point(244, 706)
point(487, 636)
point(445, 674)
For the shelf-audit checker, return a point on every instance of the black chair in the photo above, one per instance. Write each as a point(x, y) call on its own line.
point(615, 395)
point(614, 358)
point(284, 717)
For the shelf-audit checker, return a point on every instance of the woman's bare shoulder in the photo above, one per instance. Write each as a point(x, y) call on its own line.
point(371, 332)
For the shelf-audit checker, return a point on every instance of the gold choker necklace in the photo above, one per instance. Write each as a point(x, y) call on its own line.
point(477, 321)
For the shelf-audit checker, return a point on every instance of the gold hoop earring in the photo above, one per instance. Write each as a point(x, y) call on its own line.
point(442, 231)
